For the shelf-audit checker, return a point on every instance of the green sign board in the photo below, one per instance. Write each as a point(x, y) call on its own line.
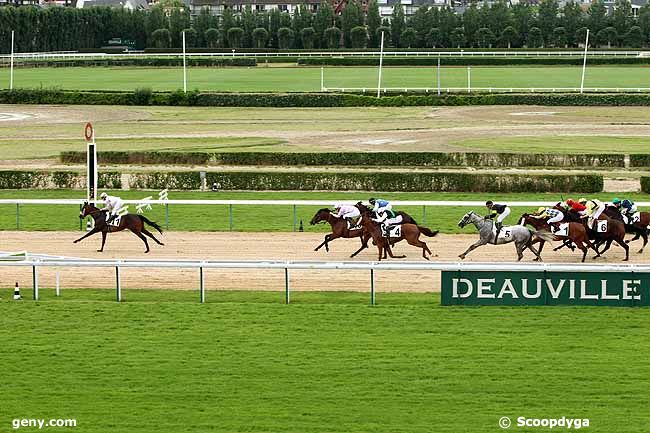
point(623, 289)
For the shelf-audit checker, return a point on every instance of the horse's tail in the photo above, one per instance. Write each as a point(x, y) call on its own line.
point(427, 232)
point(544, 235)
point(144, 219)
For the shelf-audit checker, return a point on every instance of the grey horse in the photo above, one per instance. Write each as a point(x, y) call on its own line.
point(520, 235)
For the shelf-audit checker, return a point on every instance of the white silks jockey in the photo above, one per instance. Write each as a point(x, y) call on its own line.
point(379, 205)
point(112, 205)
point(347, 211)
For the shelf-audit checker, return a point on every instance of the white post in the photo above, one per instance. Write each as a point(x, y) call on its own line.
point(58, 287)
point(118, 284)
point(322, 78)
point(469, 79)
point(438, 74)
point(381, 61)
point(584, 64)
point(11, 73)
point(184, 67)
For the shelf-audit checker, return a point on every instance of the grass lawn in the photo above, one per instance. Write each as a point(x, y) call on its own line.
point(328, 363)
point(248, 217)
point(307, 79)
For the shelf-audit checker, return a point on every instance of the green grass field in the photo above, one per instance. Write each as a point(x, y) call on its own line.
point(328, 363)
point(249, 217)
point(308, 79)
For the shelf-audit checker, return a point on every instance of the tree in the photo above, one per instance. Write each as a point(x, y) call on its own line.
point(622, 16)
point(471, 23)
point(448, 23)
point(523, 21)
point(274, 25)
point(308, 36)
point(351, 17)
point(485, 37)
point(535, 39)
point(597, 16)
point(202, 23)
point(211, 37)
point(634, 37)
point(547, 19)
point(359, 37)
point(581, 36)
point(260, 37)
point(160, 38)
point(607, 36)
point(408, 37)
point(457, 37)
point(508, 36)
point(323, 19)
point(644, 21)
point(333, 37)
point(572, 18)
point(373, 21)
point(227, 22)
point(235, 37)
point(285, 38)
point(386, 31)
point(420, 23)
point(559, 37)
point(397, 23)
point(434, 37)
point(179, 19)
point(190, 37)
point(155, 20)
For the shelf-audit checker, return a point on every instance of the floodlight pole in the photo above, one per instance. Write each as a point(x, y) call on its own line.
point(11, 73)
point(184, 67)
point(381, 61)
point(584, 64)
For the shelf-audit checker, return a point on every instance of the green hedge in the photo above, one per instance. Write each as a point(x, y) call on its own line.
point(640, 161)
point(467, 61)
point(645, 184)
point(25, 179)
point(381, 181)
point(423, 159)
point(141, 62)
point(178, 98)
point(162, 180)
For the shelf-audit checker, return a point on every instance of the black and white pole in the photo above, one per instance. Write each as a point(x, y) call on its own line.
point(584, 63)
point(184, 67)
point(287, 287)
point(202, 285)
point(35, 281)
point(381, 62)
point(11, 72)
point(17, 296)
point(372, 286)
point(118, 284)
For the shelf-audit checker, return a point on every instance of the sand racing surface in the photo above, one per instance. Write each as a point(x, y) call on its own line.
point(256, 246)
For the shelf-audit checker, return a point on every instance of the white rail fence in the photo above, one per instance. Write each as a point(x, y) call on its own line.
point(287, 266)
point(294, 204)
point(371, 90)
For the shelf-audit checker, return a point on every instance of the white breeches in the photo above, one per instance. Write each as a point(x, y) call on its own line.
point(556, 219)
point(396, 220)
point(352, 214)
point(503, 216)
point(383, 209)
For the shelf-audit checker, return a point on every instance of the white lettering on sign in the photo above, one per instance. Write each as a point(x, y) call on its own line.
point(468, 285)
point(555, 291)
point(508, 288)
point(629, 288)
point(603, 291)
point(483, 290)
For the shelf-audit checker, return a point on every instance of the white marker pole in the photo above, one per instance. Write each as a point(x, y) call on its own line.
point(584, 64)
point(322, 78)
point(381, 61)
point(469, 79)
point(11, 73)
point(184, 67)
point(438, 74)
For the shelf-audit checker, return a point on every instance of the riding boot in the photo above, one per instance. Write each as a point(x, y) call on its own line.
point(498, 227)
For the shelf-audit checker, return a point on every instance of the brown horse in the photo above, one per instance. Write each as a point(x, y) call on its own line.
point(640, 229)
point(615, 233)
point(339, 230)
point(133, 222)
point(577, 234)
point(410, 232)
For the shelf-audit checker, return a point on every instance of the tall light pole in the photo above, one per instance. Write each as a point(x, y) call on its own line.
point(584, 64)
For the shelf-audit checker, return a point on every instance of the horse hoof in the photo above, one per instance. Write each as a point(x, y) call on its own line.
point(462, 257)
point(641, 251)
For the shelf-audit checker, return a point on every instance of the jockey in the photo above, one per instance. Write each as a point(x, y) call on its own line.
point(501, 211)
point(380, 205)
point(347, 212)
point(576, 207)
point(388, 218)
point(593, 209)
point(554, 216)
point(112, 206)
point(628, 208)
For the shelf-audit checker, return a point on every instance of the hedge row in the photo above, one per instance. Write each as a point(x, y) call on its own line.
point(169, 180)
point(639, 160)
point(195, 98)
point(142, 62)
point(23, 179)
point(645, 184)
point(468, 61)
point(423, 159)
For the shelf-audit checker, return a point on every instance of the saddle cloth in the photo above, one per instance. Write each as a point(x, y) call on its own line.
point(601, 226)
point(635, 218)
point(116, 221)
point(393, 232)
point(561, 230)
point(505, 233)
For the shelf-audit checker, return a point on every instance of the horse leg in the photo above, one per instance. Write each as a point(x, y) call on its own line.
point(608, 244)
point(583, 248)
point(90, 233)
point(471, 248)
point(636, 236)
point(566, 243)
point(420, 244)
point(645, 241)
point(148, 233)
point(541, 247)
point(103, 242)
point(625, 247)
point(144, 239)
point(327, 239)
point(364, 244)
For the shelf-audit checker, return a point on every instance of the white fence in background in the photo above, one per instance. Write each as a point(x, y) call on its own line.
point(372, 91)
point(44, 262)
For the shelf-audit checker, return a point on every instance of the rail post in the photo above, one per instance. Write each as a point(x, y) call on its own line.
point(167, 216)
point(424, 215)
point(17, 216)
point(118, 284)
point(372, 286)
point(58, 285)
point(35, 281)
point(287, 288)
point(201, 285)
point(230, 216)
point(294, 217)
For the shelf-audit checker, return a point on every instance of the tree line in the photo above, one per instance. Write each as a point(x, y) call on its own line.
point(545, 25)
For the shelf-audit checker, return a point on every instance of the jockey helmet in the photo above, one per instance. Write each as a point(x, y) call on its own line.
point(582, 200)
point(103, 195)
point(541, 210)
point(489, 203)
point(616, 200)
point(372, 201)
point(627, 202)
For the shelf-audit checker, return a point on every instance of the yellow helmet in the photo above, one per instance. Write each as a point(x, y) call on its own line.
point(541, 209)
point(582, 200)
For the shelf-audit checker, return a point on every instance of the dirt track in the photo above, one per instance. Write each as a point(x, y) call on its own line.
point(252, 246)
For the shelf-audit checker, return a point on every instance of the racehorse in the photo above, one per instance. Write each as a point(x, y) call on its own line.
point(133, 222)
point(615, 232)
point(640, 229)
point(409, 231)
point(339, 230)
point(577, 234)
point(520, 235)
